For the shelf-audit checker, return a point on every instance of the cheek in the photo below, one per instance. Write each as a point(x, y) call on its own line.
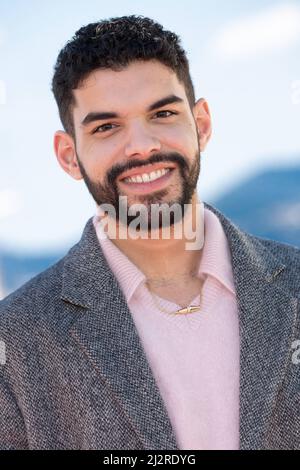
point(181, 138)
point(97, 158)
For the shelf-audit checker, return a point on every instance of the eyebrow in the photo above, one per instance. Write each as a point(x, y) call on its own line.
point(100, 116)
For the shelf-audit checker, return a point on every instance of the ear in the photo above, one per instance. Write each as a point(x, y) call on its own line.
point(64, 148)
point(203, 122)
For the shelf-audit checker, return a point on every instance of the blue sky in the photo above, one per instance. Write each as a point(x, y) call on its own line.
point(244, 58)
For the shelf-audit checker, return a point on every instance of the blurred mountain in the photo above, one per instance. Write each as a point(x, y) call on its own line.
point(266, 205)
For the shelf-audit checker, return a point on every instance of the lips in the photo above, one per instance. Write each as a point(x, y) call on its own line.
point(146, 169)
point(139, 188)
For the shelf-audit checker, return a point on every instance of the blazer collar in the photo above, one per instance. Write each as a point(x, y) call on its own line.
point(267, 314)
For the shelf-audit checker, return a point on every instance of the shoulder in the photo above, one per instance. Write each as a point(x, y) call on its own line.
point(32, 298)
point(283, 251)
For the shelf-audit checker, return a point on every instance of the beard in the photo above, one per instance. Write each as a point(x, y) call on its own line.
point(109, 193)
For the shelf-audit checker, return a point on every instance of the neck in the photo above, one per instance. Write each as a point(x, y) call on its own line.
point(167, 261)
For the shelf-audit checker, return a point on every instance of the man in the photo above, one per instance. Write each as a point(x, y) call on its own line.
point(136, 342)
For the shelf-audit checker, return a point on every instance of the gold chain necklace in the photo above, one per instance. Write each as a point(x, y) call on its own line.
point(181, 311)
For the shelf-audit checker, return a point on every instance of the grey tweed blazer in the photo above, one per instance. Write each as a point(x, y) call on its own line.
point(76, 376)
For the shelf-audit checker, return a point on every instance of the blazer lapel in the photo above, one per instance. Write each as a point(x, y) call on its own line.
point(267, 314)
point(107, 335)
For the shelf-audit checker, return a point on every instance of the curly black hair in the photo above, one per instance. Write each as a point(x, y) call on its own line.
point(114, 44)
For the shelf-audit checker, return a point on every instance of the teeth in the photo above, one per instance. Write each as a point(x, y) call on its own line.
point(147, 177)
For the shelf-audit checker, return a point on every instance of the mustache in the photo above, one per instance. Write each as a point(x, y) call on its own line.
point(173, 157)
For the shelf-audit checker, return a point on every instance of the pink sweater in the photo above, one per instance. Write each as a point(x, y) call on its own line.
point(194, 358)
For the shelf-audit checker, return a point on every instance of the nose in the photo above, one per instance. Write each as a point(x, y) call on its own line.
point(141, 142)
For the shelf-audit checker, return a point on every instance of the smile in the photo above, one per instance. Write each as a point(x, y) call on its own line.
point(148, 181)
point(147, 177)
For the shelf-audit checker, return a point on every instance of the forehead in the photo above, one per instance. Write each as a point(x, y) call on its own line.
point(131, 89)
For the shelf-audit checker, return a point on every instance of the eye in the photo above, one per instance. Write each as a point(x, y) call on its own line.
point(164, 114)
point(104, 128)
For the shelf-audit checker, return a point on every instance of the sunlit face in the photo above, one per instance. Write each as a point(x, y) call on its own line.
point(136, 135)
